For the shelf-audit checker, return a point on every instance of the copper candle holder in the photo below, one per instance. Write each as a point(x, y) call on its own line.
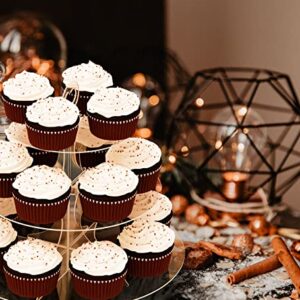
point(234, 186)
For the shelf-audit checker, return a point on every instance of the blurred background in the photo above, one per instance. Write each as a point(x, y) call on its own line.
point(152, 46)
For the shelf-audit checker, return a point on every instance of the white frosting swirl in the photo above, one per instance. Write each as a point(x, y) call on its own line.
point(144, 236)
point(113, 102)
point(42, 182)
point(53, 112)
point(86, 138)
point(87, 77)
point(134, 153)
point(14, 158)
point(151, 205)
point(99, 258)
point(17, 133)
point(32, 256)
point(7, 233)
point(27, 86)
point(109, 180)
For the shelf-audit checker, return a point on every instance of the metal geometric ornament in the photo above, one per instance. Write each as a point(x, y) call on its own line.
point(238, 130)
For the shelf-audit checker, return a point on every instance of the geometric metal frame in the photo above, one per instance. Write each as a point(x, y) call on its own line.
point(253, 79)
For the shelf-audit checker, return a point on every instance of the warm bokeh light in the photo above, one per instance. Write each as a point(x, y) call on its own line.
point(245, 130)
point(154, 100)
point(139, 79)
point(172, 158)
point(199, 102)
point(242, 111)
point(185, 151)
point(145, 133)
point(218, 144)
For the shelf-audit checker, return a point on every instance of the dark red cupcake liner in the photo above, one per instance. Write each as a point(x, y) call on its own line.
point(15, 112)
point(106, 211)
point(3, 251)
point(43, 157)
point(83, 99)
point(1, 261)
point(41, 213)
point(148, 181)
point(91, 158)
point(6, 186)
point(98, 289)
point(112, 130)
point(30, 287)
point(148, 267)
point(52, 140)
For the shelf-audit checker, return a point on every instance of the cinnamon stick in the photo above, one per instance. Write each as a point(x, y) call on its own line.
point(262, 267)
point(230, 252)
point(287, 260)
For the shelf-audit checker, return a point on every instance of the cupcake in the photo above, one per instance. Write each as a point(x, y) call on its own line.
point(98, 270)
point(17, 133)
point(23, 90)
point(107, 192)
point(149, 246)
point(90, 150)
point(52, 123)
point(152, 206)
point(14, 158)
point(31, 268)
point(113, 113)
point(87, 78)
point(41, 194)
point(8, 236)
point(141, 156)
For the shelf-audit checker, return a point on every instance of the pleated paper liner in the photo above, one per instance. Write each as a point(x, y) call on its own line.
point(148, 266)
point(90, 157)
point(6, 181)
point(108, 129)
point(108, 209)
point(36, 211)
point(3, 251)
point(28, 286)
point(15, 110)
point(42, 157)
point(148, 181)
point(83, 98)
point(95, 288)
point(52, 140)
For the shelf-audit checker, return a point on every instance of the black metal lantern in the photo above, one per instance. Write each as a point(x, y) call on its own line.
point(238, 129)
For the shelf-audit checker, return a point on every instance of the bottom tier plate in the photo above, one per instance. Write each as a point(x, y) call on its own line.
point(135, 288)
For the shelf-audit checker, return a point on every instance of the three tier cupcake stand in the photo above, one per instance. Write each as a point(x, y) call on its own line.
point(71, 231)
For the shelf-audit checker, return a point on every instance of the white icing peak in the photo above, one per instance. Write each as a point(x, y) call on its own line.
point(17, 133)
point(99, 258)
point(151, 205)
point(144, 236)
point(86, 138)
point(113, 102)
point(27, 86)
point(109, 180)
point(33, 256)
point(134, 153)
point(42, 182)
point(7, 233)
point(53, 112)
point(14, 158)
point(87, 77)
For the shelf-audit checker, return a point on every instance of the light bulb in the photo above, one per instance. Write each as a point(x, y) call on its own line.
point(236, 154)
